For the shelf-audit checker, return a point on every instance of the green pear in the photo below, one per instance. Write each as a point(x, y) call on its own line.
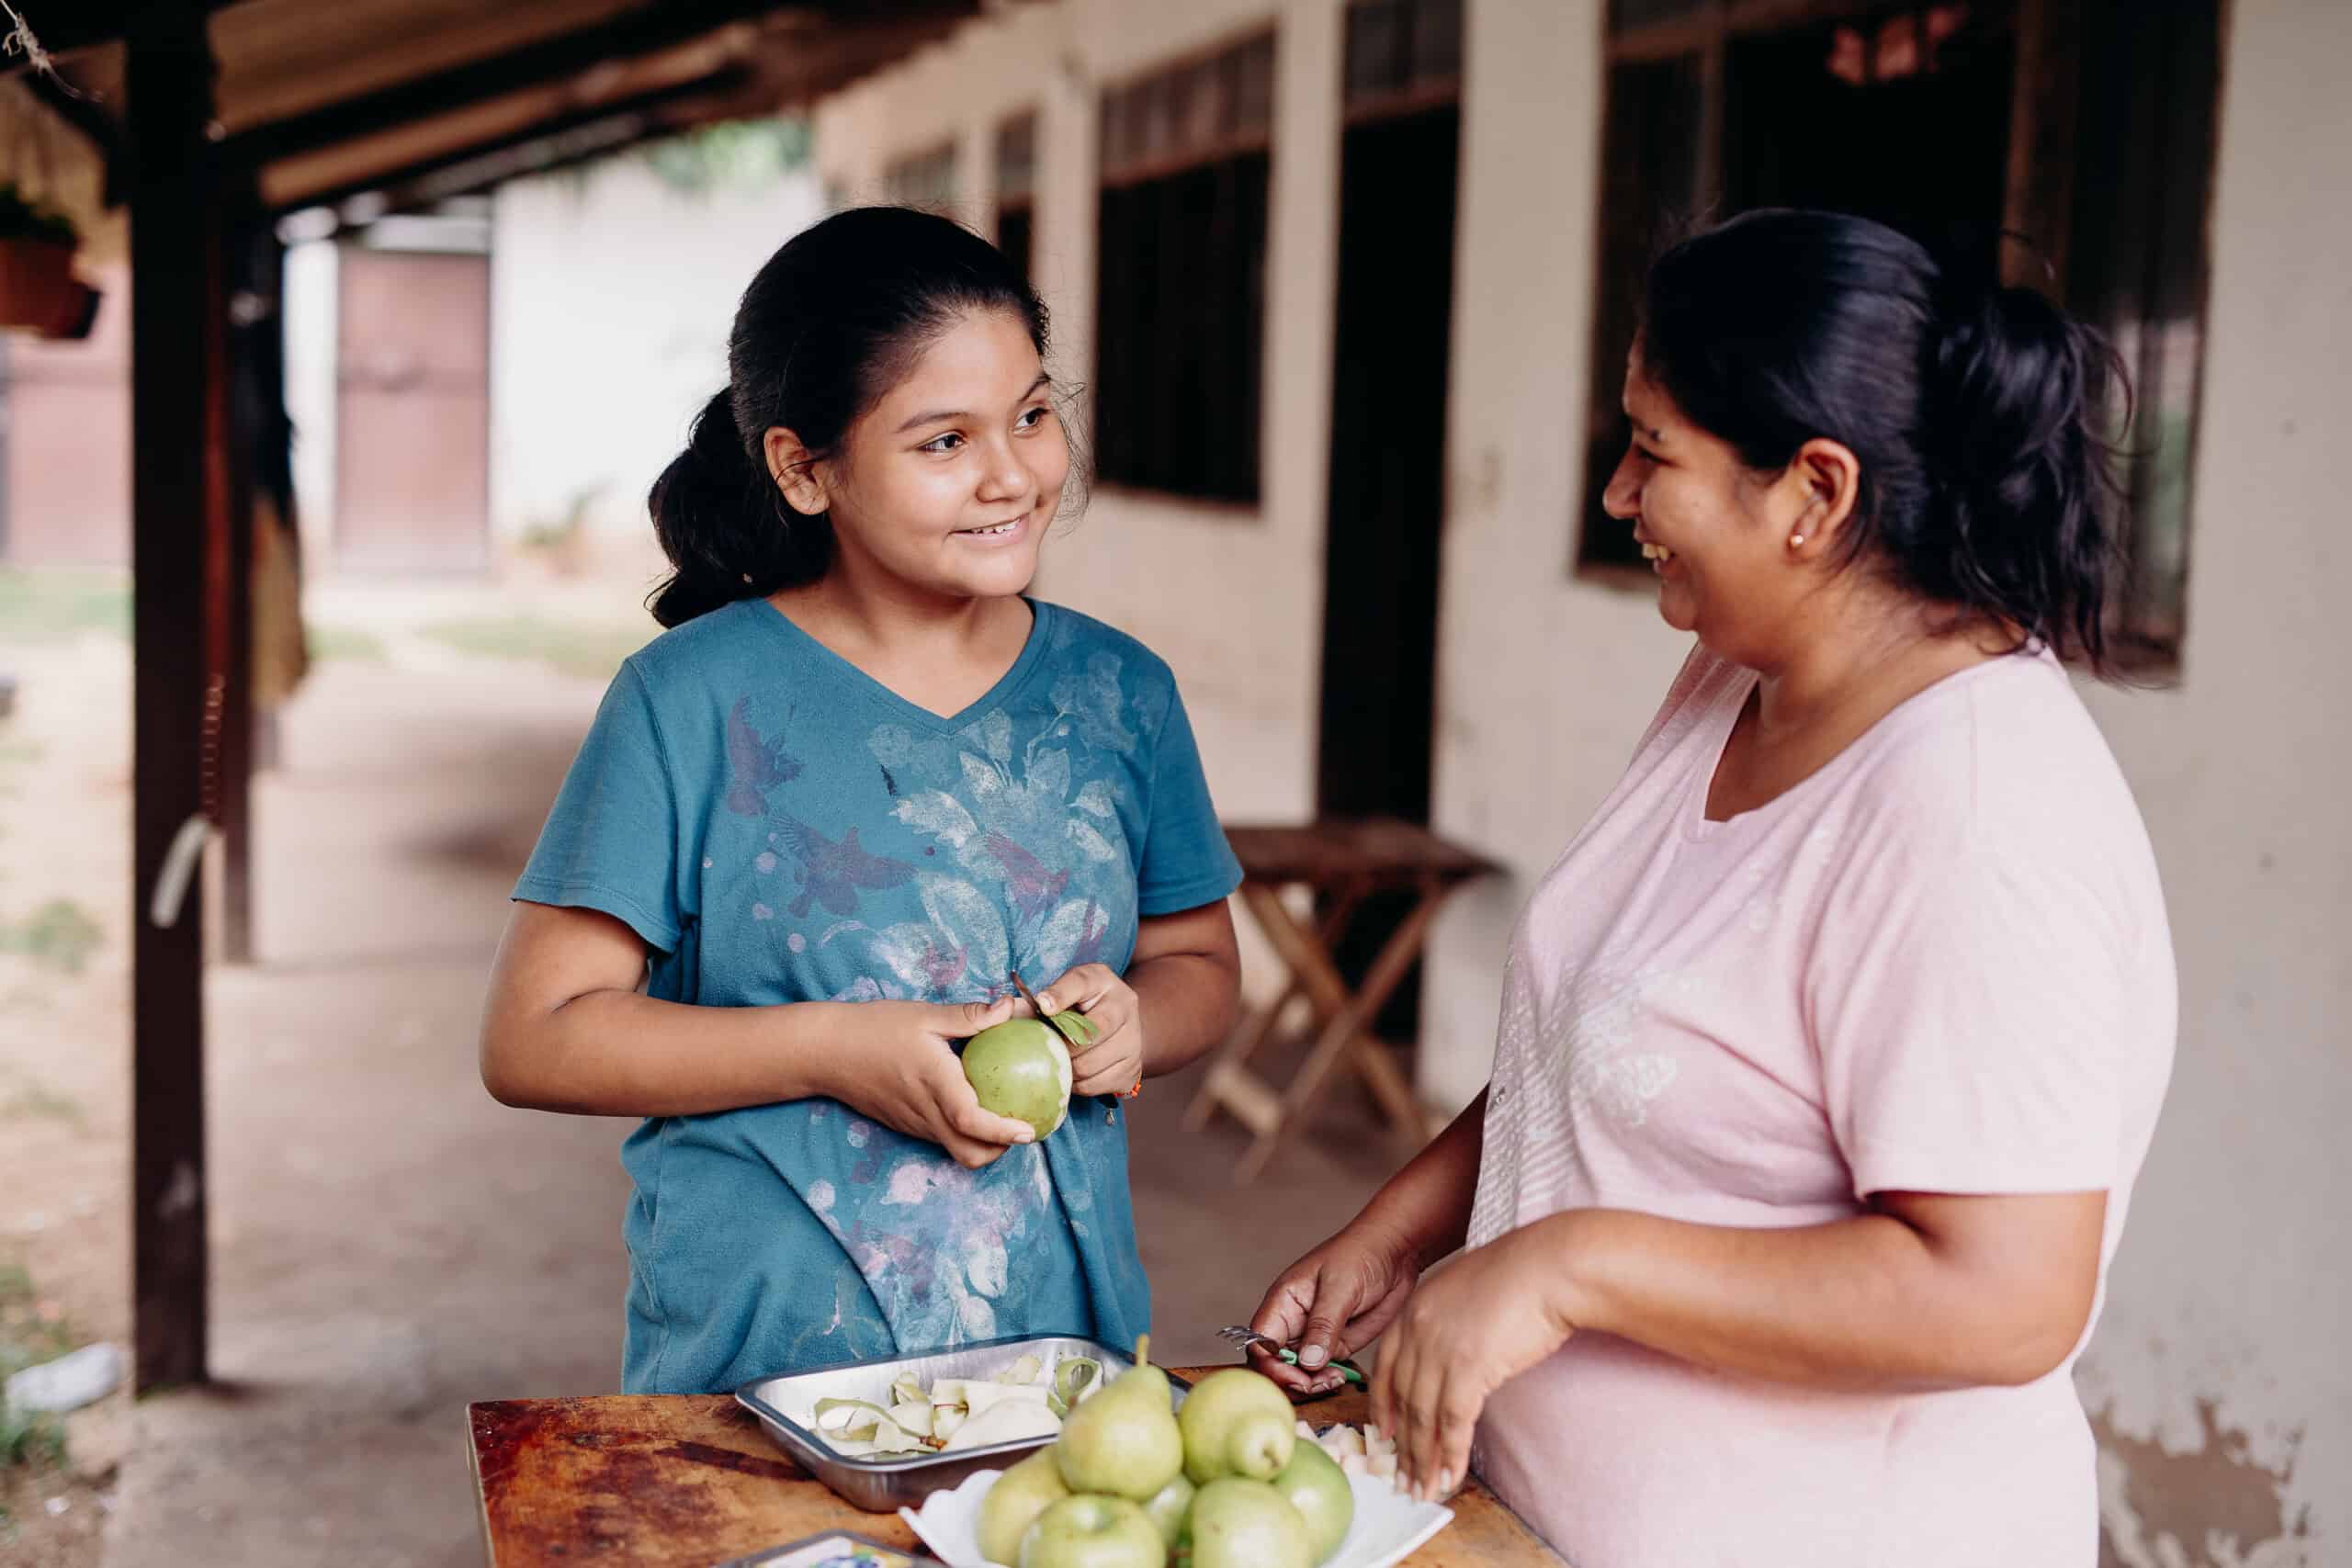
point(1236, 1422)
point(1020, 1494)
point(1167, 1507)
point(1237, 1523)
point(1124, 1441)
point(1092, 1532)
point(1314, 1483)
point(1021, 1068)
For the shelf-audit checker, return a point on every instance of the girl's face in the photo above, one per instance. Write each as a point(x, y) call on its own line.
point(1718, 535)
point(948, 483)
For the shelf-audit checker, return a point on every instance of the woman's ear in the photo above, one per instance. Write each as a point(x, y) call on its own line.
point(794, 468)
point(1820, 489)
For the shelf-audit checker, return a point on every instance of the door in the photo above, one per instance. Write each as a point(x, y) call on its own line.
point(1387, 483)
point(412, 413)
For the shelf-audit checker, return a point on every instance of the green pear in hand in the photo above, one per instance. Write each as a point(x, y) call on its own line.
point(1235, 1422)
point(1124, 1441)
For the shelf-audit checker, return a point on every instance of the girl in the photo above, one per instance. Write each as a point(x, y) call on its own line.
point(820, 823)
point(1831, 1047)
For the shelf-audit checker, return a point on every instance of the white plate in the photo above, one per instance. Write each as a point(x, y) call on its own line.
point(1388, 1526)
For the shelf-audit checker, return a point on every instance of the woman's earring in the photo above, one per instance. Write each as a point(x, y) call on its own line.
point(1795, 539)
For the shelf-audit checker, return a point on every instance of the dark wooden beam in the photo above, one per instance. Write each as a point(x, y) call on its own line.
point(284, 196)
point(176, 403)
point(64, 25)
point(633, 36)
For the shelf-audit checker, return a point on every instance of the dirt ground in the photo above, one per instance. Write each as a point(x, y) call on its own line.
point(389, 1244)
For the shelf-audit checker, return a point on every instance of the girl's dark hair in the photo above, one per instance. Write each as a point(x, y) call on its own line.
point(1976, 412)
point(828, 327)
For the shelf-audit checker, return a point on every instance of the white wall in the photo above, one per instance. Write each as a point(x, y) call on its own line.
point(611, 295)
point(2234, 1286)
point(2218, 1383)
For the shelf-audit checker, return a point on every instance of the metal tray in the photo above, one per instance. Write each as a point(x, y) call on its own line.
point(883, 1486)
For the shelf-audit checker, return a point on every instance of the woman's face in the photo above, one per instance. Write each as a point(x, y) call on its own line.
point(1716, 533)
point(949, 483)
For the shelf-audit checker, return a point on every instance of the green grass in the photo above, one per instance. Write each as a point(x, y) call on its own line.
point(589, 649)
point(348, 643)
point(28, 1336)
point(56, 605)
point(58, 935)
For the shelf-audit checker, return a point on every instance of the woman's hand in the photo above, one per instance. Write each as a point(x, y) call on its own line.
point(1330, 1303)
point(901, 1070)
point(1488, 1316)
point(1114, 1063)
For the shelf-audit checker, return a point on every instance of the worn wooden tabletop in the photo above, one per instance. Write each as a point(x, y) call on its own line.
point(689, 1481)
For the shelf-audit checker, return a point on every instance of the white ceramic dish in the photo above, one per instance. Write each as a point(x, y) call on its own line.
point(1388, 1525)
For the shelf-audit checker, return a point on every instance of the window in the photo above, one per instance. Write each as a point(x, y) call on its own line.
point(1401, 54)
point(1016, 191)
point(1181, 276)
point(2052, 119)
point(925, 179)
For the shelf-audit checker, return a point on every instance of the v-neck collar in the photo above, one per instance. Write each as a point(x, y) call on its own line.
point(1031, 652)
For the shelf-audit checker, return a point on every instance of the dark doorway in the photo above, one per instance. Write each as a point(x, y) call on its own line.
point(1387, 483)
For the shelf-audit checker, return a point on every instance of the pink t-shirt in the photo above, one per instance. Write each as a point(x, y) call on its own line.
point(1939, 964)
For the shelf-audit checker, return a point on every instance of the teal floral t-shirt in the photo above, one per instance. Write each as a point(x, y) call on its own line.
point(779, 827)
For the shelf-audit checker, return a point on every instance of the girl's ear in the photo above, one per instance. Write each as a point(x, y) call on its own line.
point(794, 468)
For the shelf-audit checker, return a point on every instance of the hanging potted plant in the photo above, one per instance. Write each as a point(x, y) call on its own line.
point(38, 289)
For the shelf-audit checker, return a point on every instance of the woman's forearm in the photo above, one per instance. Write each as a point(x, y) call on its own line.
point(1872, 1302)
point(620, 1054)
point(1425, 1208)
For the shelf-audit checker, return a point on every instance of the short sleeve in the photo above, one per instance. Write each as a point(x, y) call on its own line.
point(1186, 861)
point(1970, 1009)
point(611, 842)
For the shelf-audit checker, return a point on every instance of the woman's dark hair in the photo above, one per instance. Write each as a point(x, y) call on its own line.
point(827, 328)
point(1975, 412)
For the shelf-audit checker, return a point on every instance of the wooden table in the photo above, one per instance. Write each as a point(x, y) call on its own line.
point(1341, 864)
point(685, 1480)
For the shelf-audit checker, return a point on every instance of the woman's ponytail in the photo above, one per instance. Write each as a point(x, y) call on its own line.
point(2017, 395)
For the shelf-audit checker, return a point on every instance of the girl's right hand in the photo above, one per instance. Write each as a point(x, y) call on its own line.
point(902, 1071)
point(1332, 1302)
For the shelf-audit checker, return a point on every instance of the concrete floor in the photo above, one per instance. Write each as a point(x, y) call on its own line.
point(390, 1244)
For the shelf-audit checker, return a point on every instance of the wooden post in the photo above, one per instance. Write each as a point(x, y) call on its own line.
point(176, 401)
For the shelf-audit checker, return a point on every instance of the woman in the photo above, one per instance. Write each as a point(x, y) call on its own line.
point(860, 782)
point(1831, 1047)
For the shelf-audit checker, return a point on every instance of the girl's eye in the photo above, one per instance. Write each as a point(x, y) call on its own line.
point(942, 444)
point(1031, 420)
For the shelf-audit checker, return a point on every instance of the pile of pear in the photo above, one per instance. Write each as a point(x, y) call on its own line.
point(1133, 1482)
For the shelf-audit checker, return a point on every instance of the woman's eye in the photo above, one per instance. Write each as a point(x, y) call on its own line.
point(1031, 420)
point(948, 443)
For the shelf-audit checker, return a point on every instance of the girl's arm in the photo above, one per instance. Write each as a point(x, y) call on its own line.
point(566, 1029)
point(1186, 975)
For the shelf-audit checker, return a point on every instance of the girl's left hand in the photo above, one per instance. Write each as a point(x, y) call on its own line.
point(1114, 1063)
point(1474, 1325)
